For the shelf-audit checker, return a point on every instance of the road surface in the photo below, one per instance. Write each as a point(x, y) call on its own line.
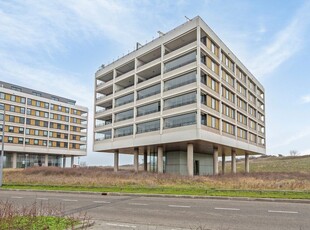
point(138, 212)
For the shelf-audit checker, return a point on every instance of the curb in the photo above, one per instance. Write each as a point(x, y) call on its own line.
point(301, 201)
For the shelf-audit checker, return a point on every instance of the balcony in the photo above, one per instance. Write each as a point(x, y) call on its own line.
point(148, 59)
point(125, 70)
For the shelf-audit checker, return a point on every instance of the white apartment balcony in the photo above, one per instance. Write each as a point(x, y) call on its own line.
point(101, 127)
point(103, 85)
point(148, 65)
point(123, 91)
point(182, 50)
point(125, 70)
point(103, 99)
point(123, 123)
point(103, 112)
point(123, 107)
point(149, 82)
point(181, 69)
point(183, 89)
point(148, 117)
point(180, 109)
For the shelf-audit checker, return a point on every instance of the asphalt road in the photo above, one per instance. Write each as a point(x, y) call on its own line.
point(131, 212)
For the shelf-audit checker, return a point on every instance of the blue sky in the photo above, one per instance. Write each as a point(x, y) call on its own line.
point(57, 46)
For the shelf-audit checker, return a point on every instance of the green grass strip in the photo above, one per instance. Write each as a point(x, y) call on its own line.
point(37, 223)
point(181, 190)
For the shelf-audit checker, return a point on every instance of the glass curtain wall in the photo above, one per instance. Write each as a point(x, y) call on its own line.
point(178, 101)
point(180, 81)
point(180, 120)
point(124, 100)
point(179, 62)
point(124, 115)
point(123, 131)
point(148, 126)
point(150, 91)
point(148, 109)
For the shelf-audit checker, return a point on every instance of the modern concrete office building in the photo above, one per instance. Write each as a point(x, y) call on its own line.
point(182, 101)
point(40, 129)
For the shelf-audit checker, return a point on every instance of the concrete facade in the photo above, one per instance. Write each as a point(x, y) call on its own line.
point(183, 95)
point(40, 129)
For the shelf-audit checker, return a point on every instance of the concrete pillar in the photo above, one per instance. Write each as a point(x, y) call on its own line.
point(233, 161)
point(190, 159)
point(160, 160)
point(116, 160)
point(149, 155)
point(215, 161)
point(136, 160)
point(63, 161)
point(247, 163)
point(14, 160)
point(46, 160)
point(72, 161)
point(223, 163)
point(145, 160)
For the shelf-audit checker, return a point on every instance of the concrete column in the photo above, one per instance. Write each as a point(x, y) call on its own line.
point(149, 155)
point(46, 160)
point(223, 162)
point(145, 160)
point(136, 160)
point(14, 160)
point(63, 161)
point(116, 160)
point(215, 161)
point(233, 161)
point(72, 161)
point(247, 163)
point(190, 159)
point(160, 160)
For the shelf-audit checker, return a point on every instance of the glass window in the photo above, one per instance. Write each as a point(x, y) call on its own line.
point(21, 130)
point(148, 126)
point(148, 109)
point(124, 115)
point(22, 100)
point(180, 100)
point(10, 139)
point(13, 98)
point(20, 140)
point(150, 91)
point(181, 120)
point(103, 135)
point(180, 61)
point(124, 100)
point(180, 81)
point(123, 131)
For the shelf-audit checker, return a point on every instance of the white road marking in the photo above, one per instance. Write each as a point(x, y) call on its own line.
point(101, 202)
point(121, 225)
point(67, 200)
point(17, 197)
point(179, 206)
point(141, 204)
point(289, 212)
point(229, 209)
point(41, 198)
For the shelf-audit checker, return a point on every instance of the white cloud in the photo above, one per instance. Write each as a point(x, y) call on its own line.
point(305, 99)
point(286, 43)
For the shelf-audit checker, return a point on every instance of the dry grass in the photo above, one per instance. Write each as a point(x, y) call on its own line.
point(104, 177)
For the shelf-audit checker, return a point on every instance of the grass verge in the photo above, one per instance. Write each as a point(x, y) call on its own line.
point(180, 190)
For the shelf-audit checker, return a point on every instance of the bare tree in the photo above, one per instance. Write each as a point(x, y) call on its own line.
point(294, 153)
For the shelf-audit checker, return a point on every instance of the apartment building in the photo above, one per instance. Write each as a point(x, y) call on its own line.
point(181, 101)
point(40, 129)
